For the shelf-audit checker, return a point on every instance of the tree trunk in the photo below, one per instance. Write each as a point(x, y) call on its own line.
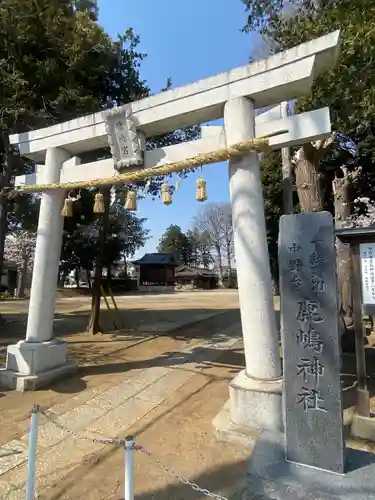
point(308, 183)
point(230, 280)
point(342, 191)
point(88, 279)
point(5, 179)
point(109, 274)
point(62, 279)
point(220, 267)
point(93, 325)
point(275, 286)
point(21, 281)
point(6, 169)
point(76, 276)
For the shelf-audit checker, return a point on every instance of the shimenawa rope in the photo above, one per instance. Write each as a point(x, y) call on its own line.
point(237, 150)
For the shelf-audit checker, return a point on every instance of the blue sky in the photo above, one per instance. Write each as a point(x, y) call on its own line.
point(186, 41)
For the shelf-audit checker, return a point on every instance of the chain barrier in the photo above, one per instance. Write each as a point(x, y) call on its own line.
point(56, 423)
point(123, 442)
point(184, 480)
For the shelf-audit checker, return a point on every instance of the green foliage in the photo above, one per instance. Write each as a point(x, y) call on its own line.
point(89, 6)
point(347, 89)
point(272, 192)
point(200, 248)
point(270, 166)
point(57, 63)
point(262, 14)
point(80, 247)
point(175, 241)
point(193, 248)
point(127, 233)
point(23, 213)
point(168, 139)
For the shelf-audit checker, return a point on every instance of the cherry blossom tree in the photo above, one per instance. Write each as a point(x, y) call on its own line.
point(20, 249)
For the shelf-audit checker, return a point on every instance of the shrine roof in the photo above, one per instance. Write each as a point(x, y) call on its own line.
point(159, 258)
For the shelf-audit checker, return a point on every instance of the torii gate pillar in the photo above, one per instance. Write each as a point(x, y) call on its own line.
point(40, 358)
point(255, 393)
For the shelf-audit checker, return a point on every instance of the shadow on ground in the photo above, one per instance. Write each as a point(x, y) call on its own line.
point(137, 323)
point(223, 480)
point(202, 357)
point(108, 463)
point(110, 354)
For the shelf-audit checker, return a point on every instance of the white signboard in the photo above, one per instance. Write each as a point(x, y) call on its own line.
point(367, 256)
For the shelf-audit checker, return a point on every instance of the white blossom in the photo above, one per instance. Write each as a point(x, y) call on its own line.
point(364, 213)
point(20, 248)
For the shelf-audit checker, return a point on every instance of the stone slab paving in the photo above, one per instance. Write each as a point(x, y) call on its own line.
point(104, 414)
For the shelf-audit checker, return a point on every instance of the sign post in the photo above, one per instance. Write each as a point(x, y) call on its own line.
point(362, 241)
point(367, 257)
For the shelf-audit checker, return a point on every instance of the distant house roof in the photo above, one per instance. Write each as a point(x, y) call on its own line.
point(194, 272)
point(155, 259)
point(225, 270)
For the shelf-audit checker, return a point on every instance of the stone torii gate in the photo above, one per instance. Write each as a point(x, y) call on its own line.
point(255, 393)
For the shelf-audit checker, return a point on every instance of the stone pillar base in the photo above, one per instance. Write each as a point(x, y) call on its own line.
point(253, 406)
point(32, 365)
point(271, 476)
point(363, 427)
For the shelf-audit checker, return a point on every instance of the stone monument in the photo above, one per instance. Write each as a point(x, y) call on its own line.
point(309, 461)
point(310, 338)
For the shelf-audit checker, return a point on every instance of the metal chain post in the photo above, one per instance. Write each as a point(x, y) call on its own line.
point(129, 473)
point(31, 460)
point(129, 447)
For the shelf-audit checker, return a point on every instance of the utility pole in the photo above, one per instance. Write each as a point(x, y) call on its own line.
point(286, 170)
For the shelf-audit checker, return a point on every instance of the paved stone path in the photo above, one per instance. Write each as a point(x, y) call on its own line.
point(105, 413)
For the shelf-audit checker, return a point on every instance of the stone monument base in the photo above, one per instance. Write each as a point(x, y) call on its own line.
point(273, 477)
point(252, 406)
point(363, 427)
point(30, 365)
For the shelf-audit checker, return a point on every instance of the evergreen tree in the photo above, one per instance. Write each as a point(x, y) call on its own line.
point(176, 242)
point(57, 63)
point(340, 168)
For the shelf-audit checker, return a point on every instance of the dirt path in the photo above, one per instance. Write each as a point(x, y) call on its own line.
point(142, 315)
point(177, 425)
point(103, 361)
point(178, 432)
point(164, 385)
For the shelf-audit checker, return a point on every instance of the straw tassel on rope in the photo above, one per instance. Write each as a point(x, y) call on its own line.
point(201, 192)
point(234, 151)
point(99, 207)
point(67, 209)
point(131, 201)
point(166, 196)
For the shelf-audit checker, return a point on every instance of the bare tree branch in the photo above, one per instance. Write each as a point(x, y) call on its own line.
point(215, 220)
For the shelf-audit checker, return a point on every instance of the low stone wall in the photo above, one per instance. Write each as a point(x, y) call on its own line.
point(156, 289)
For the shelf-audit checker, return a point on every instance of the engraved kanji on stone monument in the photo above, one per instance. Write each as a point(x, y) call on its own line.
point(124, 139)
point(309, 321)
